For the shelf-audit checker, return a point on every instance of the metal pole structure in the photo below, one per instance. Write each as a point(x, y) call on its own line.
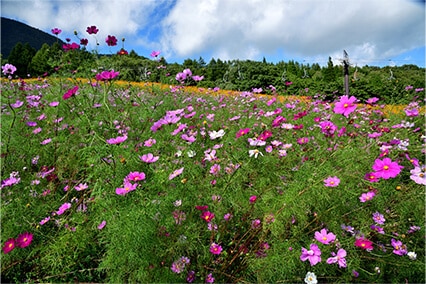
point(346, 68)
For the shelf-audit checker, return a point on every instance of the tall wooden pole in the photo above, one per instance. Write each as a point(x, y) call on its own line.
point(346, 68)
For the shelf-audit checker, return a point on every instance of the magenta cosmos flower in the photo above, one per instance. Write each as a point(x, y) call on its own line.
point(207, 216)
point(107, 75)
point(111, 40)
point(313, 254)
point(70, 93)
point(154, 53)
point(364, 244)
point(175, 173)
point(386, 168)
point(324, 237)
point(135, 176)
point(332, 181)
point(64, 207)
point(345, 106)
point(24, 240)
point(215, 248)
point(56, 31)
point(92, 30)
point(399, 247)
point(9, 245)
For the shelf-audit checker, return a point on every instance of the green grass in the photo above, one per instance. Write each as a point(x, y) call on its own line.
point(142, 239)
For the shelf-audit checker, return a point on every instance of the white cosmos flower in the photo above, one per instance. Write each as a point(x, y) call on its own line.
point(216, 134)
point(311, 278)
point(255, 153)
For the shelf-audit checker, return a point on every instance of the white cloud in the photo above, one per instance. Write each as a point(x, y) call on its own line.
point(239, 29)
point(367, 29)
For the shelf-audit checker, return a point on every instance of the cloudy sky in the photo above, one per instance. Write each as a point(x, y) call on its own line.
point(373, 32)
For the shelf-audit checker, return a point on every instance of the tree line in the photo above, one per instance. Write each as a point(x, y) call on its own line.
point(291, 77)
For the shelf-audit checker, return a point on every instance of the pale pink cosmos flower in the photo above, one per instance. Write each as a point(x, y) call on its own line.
point(102, 225)
point(176, 173)
point(117, 140)
point(339, 258)
point(81, 187)
point(418, 175)
point(345, 106)
point(149, 158)
point(313, 254)
point(324, 237)
point(367, 196)
point(127, 187)
point(64, 207)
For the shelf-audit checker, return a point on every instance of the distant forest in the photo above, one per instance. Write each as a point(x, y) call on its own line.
point(294, 78)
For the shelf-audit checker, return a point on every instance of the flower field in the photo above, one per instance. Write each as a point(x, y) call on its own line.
point(112, 181)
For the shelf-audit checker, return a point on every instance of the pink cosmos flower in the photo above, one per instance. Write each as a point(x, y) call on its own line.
point(371, 177)
point(117, 140)
point(154, 53)
point(364, 244)
point(176, 173)
point(134, 176)
point(313, 254)
point(9, 245)
point(345, 106)
point(378, 218)
point(150, 142)
point(339, 258)
point(81, 187)
point(149, 158)
point(127, 187)
point(252, 199)
point(367, 196)
point(324, 237)
point(332, 181)
point(8, 69)
point(44, 221)
point(386, 168)
point(215, 248)
point(102, 225)
point(64, 207)
point(24, 240)
point(215, 169)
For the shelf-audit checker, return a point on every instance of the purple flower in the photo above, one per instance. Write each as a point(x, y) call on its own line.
point(378, 218)
point(56, 31)
point(92, 30)
point(210, 278)
point(313, 254)
point(399, 247)
point(324, 237)
point(111, 40)
point(339, 258)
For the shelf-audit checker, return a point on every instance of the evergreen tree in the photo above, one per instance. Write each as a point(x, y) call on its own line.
point(21, 56)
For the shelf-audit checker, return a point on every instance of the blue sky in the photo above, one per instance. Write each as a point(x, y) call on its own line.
point(373, 32)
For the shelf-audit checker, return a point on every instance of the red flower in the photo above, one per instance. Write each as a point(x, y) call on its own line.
point(9, 245)
point(111, 40)
point(201, 207)
point(122, 52)
point(364, 244)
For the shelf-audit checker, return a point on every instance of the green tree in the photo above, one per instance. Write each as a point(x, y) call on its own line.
point(21, 56)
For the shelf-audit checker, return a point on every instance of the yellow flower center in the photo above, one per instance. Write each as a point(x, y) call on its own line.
point(386, 168)
point(345, 105)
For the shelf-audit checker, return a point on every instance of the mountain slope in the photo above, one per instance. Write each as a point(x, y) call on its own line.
point(13, 32)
